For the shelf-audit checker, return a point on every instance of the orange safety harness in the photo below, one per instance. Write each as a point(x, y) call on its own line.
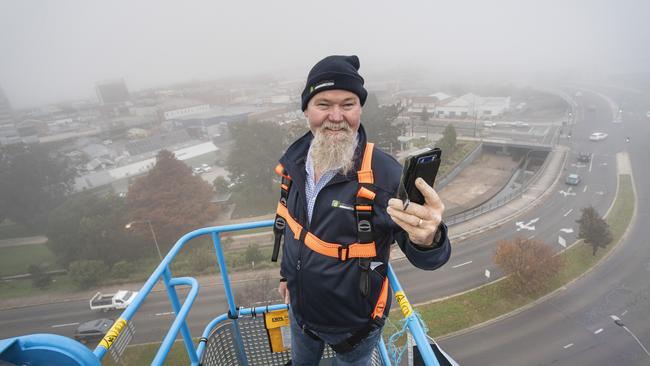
point(364, 249)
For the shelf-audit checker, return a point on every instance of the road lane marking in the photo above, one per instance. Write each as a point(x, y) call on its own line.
point(625, 312)
point(598, 331)
point(64, 325)
point(567, 230)
point(167, 313)
point(527, 226)
point(584, 189)
point(591, 163)
point(462, 264)
point(568, 345)
point(568, 212)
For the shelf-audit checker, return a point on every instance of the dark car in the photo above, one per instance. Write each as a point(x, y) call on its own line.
point(584, 157)
point(93, 331)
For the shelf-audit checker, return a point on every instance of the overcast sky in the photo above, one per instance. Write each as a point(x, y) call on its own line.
point(56, 50)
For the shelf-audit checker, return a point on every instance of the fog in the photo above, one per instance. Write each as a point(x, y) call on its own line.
point(56, 50)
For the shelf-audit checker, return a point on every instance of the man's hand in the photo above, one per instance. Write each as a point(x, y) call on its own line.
point(284, 292)
point(419, 221)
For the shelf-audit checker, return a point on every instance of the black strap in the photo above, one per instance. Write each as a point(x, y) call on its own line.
point(353, 341)
point(280, 222)
point(278, 233)
point(364, 280)
point(356, 338)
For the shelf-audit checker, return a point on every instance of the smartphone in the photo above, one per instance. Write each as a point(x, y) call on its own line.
point(421, 164)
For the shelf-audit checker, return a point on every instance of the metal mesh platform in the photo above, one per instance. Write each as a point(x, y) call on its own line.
point(221, 349)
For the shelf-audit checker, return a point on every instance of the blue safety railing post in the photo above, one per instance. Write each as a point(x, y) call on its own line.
point(233, 313)
point(179, 321)
point(176, 306)
point(216, 239)
point(412, 321)
point(383, 352)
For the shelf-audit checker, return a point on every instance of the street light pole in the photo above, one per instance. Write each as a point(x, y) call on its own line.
point(620, 323)
point(153, 233)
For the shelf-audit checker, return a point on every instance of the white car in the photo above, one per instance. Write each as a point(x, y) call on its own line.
point(489, 124)
point(519, 124)
point(597, 136)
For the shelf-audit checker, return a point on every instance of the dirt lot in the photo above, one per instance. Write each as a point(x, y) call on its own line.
point(479, 181)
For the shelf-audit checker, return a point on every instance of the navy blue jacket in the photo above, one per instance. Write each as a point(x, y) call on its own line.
point(324, 291)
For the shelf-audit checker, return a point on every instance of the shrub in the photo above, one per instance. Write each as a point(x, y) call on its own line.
point(531, 264)
point(87, 273)
point(40, 278)
point(121, 269)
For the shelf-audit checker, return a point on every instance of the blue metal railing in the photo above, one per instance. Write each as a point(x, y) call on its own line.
point(182, 310)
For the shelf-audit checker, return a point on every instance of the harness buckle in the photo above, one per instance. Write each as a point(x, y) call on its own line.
point(343, 249)
point(364, 226)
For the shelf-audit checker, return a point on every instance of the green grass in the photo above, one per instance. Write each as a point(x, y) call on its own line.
point(10, 230)
point(15, 260)
point(23, 287)
point(144, 354)
point(480, 305)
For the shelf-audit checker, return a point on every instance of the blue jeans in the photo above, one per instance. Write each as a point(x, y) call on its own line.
point(306, 351)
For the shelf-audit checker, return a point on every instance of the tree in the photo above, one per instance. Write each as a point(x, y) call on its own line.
point(530, 264)
point(253, 253)
point(257, 148)
point(87, 273)
point(380, 124)
point(32, 182)
point(40, 278)
point(447, 142)
point(594, 229)
point(221, 185)
point(251, 163)
point(260, 290)
point(172, 199)
point(90, 227)
point(424, 115)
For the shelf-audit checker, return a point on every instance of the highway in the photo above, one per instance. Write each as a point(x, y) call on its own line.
point(553, 218)
point(574, 327)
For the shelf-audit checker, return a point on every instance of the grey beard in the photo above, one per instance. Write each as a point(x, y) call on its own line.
point(333, 152)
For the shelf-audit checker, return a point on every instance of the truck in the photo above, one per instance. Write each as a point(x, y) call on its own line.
point(114, 301)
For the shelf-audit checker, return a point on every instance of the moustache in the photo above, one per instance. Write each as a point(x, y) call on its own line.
point(339, 126)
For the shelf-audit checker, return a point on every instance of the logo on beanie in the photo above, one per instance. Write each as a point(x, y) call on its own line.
point(322, 84)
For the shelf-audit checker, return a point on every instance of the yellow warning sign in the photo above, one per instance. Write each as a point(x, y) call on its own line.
point(404, 304)
point(113, 333)
point(277, 326)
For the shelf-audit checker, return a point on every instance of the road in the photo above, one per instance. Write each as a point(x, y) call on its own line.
point(574, 327)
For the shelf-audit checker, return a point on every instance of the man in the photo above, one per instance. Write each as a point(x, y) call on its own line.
point(339, 218)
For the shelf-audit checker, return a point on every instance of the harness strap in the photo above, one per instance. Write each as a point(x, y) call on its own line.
point(280, 223)
point(342, 252)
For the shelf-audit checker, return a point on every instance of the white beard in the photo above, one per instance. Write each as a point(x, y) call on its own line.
point(333, 151)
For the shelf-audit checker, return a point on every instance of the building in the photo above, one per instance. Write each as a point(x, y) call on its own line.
point(454, 108)
point(112, 92)
point(188, 110)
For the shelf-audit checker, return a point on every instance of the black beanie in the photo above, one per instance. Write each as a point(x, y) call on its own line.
point(334, 72)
